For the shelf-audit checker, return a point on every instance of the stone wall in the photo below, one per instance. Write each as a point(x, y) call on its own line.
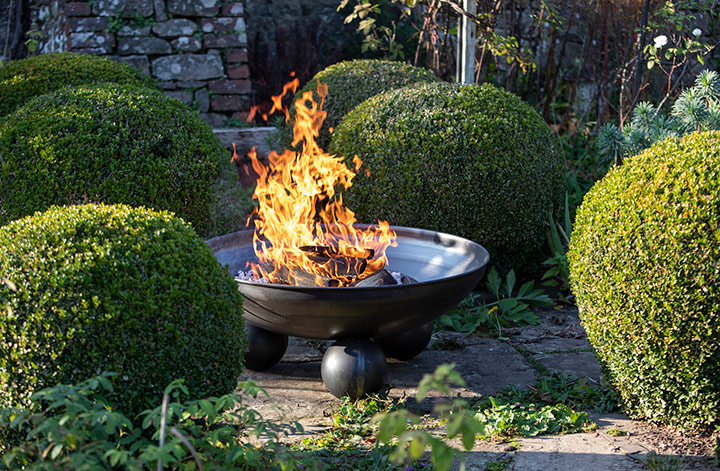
point(197, 49)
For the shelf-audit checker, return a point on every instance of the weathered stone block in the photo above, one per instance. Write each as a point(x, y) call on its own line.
point(82, 25)
point(142, 45)
point(228, 102)
point(214, 120)
point(236, 55)
point(186, 44)
point(124, 8)
point(182, 96)
point(232, 9)
point(175, 28)
point(237, 71)
point(202, 99)
point(191, 83)
point(160, 12)
point(128, 30)
point(230, 87)
point(142, 63)
point(188, 67)
point(101, 41)
point(90, 51)
point(77, 9)
point(223, 25)
point(192, 7)
point(168, 85)
point(225, 40)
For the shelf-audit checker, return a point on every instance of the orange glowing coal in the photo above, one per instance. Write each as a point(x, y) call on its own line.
point(303, 233)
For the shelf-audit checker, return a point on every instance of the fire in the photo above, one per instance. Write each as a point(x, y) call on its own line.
point(301, 225)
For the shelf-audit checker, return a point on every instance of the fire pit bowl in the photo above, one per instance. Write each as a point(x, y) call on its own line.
point(446, 267)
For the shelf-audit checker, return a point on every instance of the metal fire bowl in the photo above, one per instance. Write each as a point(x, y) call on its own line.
point(447, 268)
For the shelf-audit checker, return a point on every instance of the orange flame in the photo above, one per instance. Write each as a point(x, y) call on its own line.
point(300, 208)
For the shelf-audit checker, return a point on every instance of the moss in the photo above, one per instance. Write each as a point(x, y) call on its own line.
point(474, 161)
point(24, 79)
point(352, 82)
point(115, 288)
point(645, 267)
point(110, 144)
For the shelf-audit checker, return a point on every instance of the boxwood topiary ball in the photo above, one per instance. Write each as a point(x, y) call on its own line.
point(645, 267)
point(352, 82)
point(474, 161)
point(109, 144)
point(27, 78)
point(116, 288)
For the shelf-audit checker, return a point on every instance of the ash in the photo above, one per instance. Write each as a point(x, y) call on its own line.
point(250, 276)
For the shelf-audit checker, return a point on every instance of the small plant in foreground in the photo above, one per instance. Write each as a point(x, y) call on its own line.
point(499, 465)
point(502, 418)
point(558, 275)
point(656, 462)
point(507, 310)
point(616, 431)
point(398, 426)
point(74, 427)
point(575, 392)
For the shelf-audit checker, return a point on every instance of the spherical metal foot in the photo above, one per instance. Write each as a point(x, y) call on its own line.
point(353, 368)
point(408, 344)
point(265, 348)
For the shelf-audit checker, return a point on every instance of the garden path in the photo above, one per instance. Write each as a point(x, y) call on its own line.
point(488, 365)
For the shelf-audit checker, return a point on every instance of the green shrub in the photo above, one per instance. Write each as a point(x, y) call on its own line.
point(110, 144)
point(24, 79)
point(645, 267)
point(130, 290)
point(474, 161)
point(352, 82)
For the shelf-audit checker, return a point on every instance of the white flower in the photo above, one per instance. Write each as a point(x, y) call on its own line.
point(696, 32)
point(660, 41)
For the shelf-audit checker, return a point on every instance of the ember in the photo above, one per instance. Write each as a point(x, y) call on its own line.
point(304, 236)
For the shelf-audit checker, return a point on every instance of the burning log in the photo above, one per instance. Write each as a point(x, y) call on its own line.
point(336, 264)
point(384, 278)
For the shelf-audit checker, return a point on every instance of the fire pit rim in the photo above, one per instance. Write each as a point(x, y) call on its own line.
point(482, 266)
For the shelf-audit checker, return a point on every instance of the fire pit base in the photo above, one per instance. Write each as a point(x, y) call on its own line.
point(265, 348)
point(353, 368)
point(406, 345)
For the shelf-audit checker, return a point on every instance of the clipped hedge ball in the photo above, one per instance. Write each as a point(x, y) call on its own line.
point(352, 82)
point(645, 268)
point(109, 144)
point(473, 161)
point(115, 288)
point(24, 79)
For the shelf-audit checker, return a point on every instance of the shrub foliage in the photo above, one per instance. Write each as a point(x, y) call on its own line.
point(38, 75)
point(645, 267)
point(116, 288)
point(110, 144)
point(470, 160)
point(352, 82)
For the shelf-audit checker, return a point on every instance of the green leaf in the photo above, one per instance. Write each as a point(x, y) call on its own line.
point(442, 454)
point(418, 445)
point(510, 282)
point(493, 283)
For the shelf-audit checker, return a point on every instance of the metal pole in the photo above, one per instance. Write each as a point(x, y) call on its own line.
point(465, 67)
